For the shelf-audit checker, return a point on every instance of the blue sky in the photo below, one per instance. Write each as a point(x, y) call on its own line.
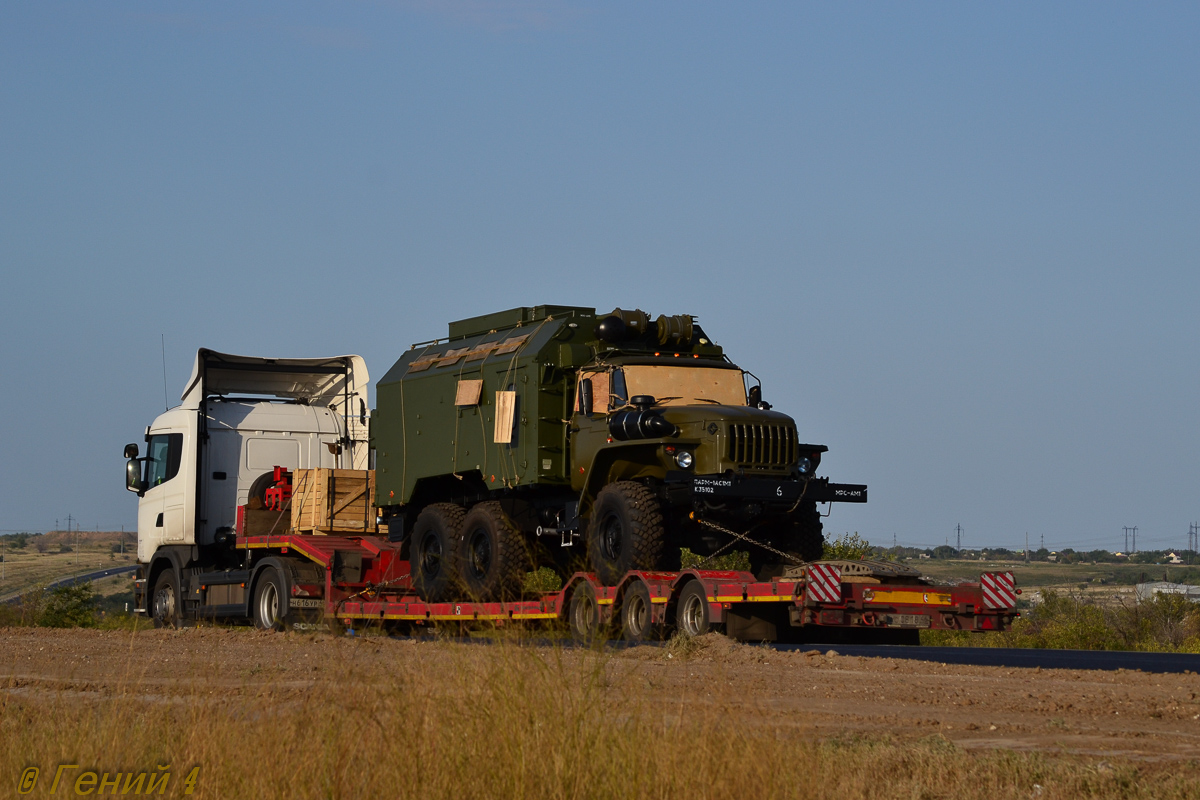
point(958, 242)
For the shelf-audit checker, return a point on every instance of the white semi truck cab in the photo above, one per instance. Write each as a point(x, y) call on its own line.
point(240, 418)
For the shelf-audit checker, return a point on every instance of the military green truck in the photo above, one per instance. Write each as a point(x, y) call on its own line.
point(551, 436)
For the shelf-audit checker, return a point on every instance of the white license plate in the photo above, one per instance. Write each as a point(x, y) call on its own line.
point(908, 620)
point(306, 602)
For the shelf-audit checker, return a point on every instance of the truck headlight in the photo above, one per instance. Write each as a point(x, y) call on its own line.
point(684, 459)
point(805, 465)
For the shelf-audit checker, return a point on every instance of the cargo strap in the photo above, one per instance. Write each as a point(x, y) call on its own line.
point(739, 537)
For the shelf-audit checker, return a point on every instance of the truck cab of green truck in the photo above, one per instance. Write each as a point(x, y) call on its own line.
point(554, 435)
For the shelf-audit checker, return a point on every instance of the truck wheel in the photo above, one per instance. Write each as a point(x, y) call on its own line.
point(806, 540)
point(584, 614)
point(435, 543)
point(637, 614)
point(492, 558)
point(626, 531)
point(165, 607)
point(691, 612)
point(270, 601)
point(799, 536)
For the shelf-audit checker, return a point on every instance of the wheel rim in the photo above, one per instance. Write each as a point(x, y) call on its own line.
point(584, 617)
point(691, 618)
point(479, 553)
point(164, 604)
point(637, 616)
point(431, 556)
point(610, 537)
point(268, 604)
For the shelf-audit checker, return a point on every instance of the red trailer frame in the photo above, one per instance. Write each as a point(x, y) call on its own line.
point(366, 580)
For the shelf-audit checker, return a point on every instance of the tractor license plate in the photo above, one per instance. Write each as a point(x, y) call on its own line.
point(306, 602)
point(908, 620)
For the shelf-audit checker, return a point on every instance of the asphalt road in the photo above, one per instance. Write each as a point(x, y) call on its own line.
point(1017, 657)
point(87, 576)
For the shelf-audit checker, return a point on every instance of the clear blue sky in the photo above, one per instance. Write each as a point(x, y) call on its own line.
point(958, 242)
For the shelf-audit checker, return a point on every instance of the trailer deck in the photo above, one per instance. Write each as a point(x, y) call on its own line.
point(367, 581)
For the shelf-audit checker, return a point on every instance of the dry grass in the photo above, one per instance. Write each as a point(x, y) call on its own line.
point(499, 722)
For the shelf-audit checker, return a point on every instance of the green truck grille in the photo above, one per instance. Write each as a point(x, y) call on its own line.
point(762, 445)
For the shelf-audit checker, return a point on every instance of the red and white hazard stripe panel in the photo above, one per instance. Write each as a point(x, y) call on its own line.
point(825, 583)
point(999, 589)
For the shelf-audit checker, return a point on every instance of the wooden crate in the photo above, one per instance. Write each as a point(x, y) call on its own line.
point(333, 501)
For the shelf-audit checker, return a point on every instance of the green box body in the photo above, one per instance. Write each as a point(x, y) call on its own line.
point(420, 433)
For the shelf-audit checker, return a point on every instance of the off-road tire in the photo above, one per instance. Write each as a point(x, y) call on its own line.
point(626, 531)
point(166, 604)
point(637, 614)
point(435, 545)
point(492, 556)
point(799, 536)
point(692, 615)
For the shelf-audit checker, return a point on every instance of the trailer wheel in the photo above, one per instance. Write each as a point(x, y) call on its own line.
point(626, 531)
point(270, 601)
point(584, 614)
point(165, 607)
point(492, 558)
point(435, 542)
point(637, 613)
point(691, 612)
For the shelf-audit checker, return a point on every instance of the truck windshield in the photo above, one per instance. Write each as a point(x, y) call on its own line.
point(683, 385)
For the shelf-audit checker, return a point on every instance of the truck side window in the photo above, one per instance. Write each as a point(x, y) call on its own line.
point(162, 458)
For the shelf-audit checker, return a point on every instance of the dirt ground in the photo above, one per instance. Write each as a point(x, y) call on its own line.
point(1128, 715)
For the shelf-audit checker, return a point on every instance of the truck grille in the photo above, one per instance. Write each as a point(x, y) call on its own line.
point(762, 445)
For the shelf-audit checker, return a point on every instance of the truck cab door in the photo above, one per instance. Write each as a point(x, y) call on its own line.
point(161, 518)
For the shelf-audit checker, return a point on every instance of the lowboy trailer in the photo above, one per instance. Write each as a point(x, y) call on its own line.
point(304, 581)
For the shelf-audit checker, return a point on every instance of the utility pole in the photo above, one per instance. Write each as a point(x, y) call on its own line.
point(1127, 529)
point(1043, 541)
point(1026, 547)
point(1135, 538)
point(958, 537)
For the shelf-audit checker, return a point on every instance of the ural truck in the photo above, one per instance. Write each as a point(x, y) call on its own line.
point(551, 435)
point(523, 436)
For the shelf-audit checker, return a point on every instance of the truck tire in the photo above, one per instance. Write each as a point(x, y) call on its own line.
point(807, 540)
point(800, 537)
point(691, 611)
point(637, 614)
point(626, 531)
point(584, 615)
point(492, 558)
point(270, 601)
point(435, 545)
point(165, 606)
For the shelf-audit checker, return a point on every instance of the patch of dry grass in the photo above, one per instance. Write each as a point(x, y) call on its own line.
point(499, 722)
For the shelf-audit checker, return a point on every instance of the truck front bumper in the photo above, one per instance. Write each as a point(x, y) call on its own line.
point(769, 491)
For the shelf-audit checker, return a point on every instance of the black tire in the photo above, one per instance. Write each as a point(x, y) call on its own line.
point(626, 531)
point(492, 557)
point(435, 542)
point(259, 488)
point(165, 604)
point(269, 608)
point(584, 615)
point(637, 614)
point(691, 611)
point(800, 537)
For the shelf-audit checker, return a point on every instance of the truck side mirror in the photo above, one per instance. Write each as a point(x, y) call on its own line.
point(133, 474)
point(755, 400)
point(585, 397)
point(131, 451)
